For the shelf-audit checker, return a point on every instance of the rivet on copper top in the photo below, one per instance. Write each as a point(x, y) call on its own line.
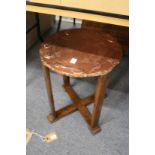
point(111, 41)
point(46, 45)
point(66, 33)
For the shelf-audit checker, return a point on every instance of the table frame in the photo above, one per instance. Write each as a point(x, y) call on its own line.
point(92, 120)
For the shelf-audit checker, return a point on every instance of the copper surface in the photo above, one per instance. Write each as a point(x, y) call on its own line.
point(81, 52)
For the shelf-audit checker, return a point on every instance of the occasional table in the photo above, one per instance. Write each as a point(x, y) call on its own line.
point(80, 53)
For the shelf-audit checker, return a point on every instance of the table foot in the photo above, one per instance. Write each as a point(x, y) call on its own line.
point(51, 118)
point(94, 130)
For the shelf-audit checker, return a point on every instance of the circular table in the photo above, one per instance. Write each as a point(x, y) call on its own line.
point(80, 53)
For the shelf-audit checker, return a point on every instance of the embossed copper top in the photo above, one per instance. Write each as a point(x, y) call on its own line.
point(81, 52)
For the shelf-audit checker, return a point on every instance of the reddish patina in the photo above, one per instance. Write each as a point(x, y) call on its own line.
point(81, 52)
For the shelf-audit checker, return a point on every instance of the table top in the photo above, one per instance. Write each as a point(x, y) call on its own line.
point(104, 11)
point(81, 52)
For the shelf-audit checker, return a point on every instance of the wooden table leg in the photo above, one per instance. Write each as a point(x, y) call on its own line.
point(99, 96)
point(46, 71)
point(66, 80)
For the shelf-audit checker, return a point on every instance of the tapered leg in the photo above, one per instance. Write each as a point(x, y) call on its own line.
point(49, 92)
point(66, 80)
point(99, 96)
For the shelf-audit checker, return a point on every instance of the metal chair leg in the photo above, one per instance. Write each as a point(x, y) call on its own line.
point(74, 21)
point(38, 27)
point(59, 24)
